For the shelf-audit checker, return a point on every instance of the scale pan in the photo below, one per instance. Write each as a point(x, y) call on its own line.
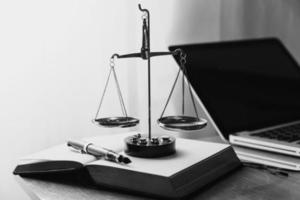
point(182, 123)
point(121, 122)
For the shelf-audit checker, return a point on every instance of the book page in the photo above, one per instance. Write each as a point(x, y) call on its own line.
point(58, 153)
point(188, 153)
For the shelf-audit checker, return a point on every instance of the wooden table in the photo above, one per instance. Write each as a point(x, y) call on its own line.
point(244, 183)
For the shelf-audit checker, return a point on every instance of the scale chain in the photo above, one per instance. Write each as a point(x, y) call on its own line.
point(169, 97)
point(189, 85)
point(118, 89)
point(183, 90)
point(106, 84)
point(182, 59)
point(184, 72)
point(112, 69)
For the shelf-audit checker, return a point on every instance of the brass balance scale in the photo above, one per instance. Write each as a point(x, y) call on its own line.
point(149, 146)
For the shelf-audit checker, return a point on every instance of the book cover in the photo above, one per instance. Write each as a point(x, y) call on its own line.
point(195, 164)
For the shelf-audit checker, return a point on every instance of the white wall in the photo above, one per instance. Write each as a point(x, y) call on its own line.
point(54, 57)
point(54, 61)
point(262, 18)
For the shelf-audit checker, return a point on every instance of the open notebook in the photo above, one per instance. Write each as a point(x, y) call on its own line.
point(195, 164)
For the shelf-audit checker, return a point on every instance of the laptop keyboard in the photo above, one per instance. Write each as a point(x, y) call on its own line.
point(288, 133)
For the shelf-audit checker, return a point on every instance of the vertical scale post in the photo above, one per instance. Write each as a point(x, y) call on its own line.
point(145, 53)
point(149, 79)
point(136, 145)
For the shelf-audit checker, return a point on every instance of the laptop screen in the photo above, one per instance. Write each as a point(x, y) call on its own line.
point(245, 85)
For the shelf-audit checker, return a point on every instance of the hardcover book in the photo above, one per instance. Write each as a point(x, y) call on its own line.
point(195, 164)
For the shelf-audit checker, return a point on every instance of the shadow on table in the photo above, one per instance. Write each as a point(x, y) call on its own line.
point(79, 179)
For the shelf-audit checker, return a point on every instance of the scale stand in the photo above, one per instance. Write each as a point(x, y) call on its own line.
point(147, 146)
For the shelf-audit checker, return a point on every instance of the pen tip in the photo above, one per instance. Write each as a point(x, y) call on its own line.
point(126, 160)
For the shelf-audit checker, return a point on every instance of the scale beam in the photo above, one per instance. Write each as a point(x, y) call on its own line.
point(152, 54)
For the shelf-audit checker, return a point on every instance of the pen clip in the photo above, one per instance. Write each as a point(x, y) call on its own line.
point(85, 147)
point(81, 147)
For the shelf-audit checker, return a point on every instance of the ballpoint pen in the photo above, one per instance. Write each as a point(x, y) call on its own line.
point(98, 151)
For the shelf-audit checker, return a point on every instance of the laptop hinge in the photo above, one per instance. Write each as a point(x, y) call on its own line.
point(241, 132)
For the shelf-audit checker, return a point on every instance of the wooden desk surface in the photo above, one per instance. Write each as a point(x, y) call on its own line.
point(244, 183)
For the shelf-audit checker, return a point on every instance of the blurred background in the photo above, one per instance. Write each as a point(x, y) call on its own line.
point(54, 59)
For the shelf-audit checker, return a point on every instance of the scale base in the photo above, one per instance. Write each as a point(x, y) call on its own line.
point(140, 146)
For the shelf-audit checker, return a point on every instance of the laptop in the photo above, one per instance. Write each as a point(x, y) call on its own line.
point(250, 90)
